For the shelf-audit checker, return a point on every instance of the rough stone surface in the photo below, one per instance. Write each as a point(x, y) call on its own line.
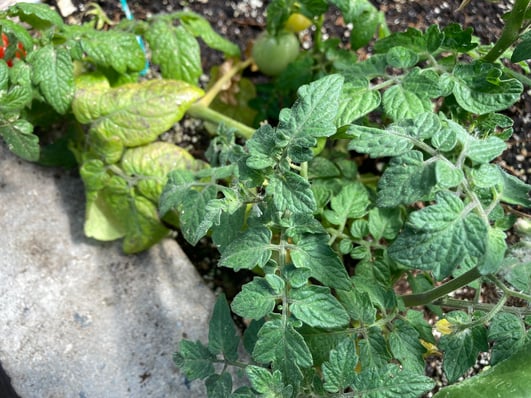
point(77, 317)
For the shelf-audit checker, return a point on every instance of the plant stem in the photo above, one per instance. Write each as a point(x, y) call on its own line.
point(510, 31)
point(465, 305)
point(203, 112)
point(427, 297)
point(222, 82)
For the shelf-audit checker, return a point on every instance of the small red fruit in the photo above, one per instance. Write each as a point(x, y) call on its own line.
point(19, 52)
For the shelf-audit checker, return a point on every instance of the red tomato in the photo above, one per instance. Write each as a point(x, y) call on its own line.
point(19, 52)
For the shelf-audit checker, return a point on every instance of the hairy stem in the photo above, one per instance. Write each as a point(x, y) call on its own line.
point(203, 112)
point(223, 81)
point(487, 307)
point(510, 32)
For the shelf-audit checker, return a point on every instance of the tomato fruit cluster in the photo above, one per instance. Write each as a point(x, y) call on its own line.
point(272, 54)
point(19, 51)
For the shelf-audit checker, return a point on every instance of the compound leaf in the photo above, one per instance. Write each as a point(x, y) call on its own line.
point(439, 237)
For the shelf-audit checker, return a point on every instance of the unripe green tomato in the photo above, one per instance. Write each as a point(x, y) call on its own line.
point(272, 54)
point(297, 22)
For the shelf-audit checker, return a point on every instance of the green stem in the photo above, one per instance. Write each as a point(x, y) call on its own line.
point(203, 112)
point(223, 81)
point(510, 32)
point(466, 305)
point(427, 297)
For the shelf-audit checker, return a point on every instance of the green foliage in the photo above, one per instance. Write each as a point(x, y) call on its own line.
point(328, 241)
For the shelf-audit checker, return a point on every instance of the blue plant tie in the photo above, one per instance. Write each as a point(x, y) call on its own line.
point(129, 16)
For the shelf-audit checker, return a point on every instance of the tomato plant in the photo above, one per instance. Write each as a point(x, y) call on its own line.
point(273, 53)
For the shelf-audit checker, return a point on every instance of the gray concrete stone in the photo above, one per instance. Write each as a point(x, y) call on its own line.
point(77, 317)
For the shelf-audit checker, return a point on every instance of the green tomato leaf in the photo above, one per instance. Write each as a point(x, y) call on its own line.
point(373, 351)
point(338, 371)
point(393, 141)
point(440, 237)
point(507, 377)
point(483, 151)
point(40, 16)
point(20, 139)
point(113, 49)
point(508, 333)
point(200, 27)
point(144, 228)
point(53, 73)
point(219, 386)
point(256, 300)
point(313, 115)
point(462, 348)
point(358, 305)
point(351, 202)
point(487, 176)
point(447, 175)
point(315, 306)
point(390, 381)
point(151, 164)
point(384, 223)
point(404, 342)
point(407, 179)
point(412, 39)
point(195, 360)
point(249, 250)
point(400, 103)
point(291, 192)
point(222, 337)
point(135, 113)
point(479, 89)
point(523, 49)
point(356, 101)
point(264, 382)
point(401, 57)
point(314, 253)
point(176, 51)
point(423, 82)
point(494, 251)
point(280, 343)
point(515, 191)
